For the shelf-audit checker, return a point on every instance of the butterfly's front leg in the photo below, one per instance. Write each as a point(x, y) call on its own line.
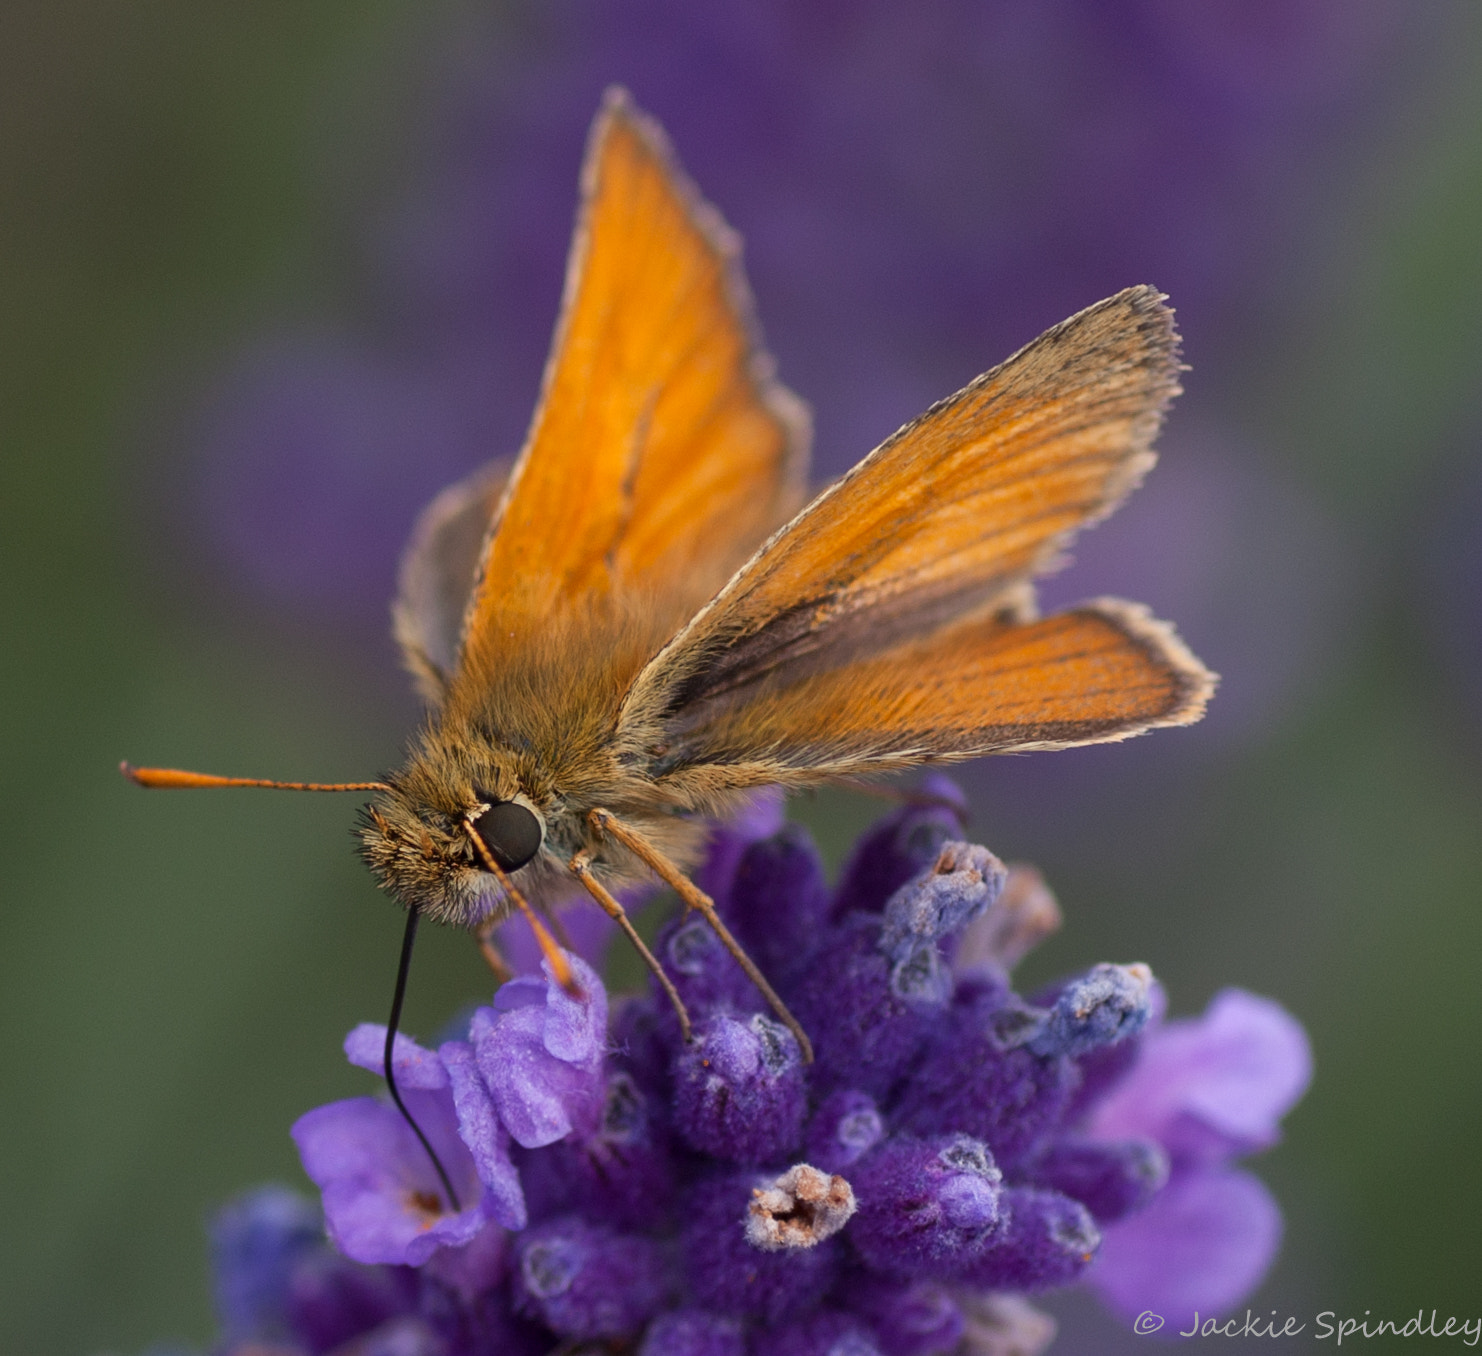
point(609, 825)
point(580, 866)
point(561, 970)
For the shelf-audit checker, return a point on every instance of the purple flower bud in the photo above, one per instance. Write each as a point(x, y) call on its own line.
point(739, 1090)
point(256, 1243)
point(898, 847)
point(780, 902)
point(614, 1159)
point(540, 1054)
point(917, 1319)
point(585, 1281)
point(967, 1080)
point(846, 1126)
point(622, 1175)
point(1047, 1240)
point(1110, 1179)
point(925, 1205)
point(830, 1333)
point(864, 1033)
point(693, 1332)
point(726, 1273)
point(705, 973)
point(1102, 1007)
point(729, 841)
point(962, 883)
point(332, 1300)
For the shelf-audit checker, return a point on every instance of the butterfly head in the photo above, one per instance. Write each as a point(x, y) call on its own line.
point(418, 838)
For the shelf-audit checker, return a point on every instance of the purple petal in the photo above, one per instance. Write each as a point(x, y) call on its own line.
point(415, 1066)
point(382, 1198)
point(576, 1028)
point(486, 1138)
point(528, 991)
point(1213, 1086)
point(542, 1061)
point(1203, 1243)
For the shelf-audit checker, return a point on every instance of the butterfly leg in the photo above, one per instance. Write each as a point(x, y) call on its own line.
point(560, 967)
point(493, 957)
point(605, 822)
point(580, 866)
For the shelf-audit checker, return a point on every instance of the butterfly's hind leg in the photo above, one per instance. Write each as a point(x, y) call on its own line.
point(605, 822)
point(580, 866)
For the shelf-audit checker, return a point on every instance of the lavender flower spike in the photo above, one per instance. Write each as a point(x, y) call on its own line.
point(954, 1149)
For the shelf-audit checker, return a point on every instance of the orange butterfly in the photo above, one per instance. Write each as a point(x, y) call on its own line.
point(640, 621)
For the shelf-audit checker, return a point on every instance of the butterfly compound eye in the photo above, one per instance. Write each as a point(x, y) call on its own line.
point(512, 832)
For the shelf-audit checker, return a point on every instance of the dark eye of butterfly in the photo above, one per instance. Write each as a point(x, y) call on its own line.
point(511, 832)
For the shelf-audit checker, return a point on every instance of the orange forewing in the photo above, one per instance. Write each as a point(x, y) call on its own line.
point(662, 452)
point(960, 507)
point(1101, 671)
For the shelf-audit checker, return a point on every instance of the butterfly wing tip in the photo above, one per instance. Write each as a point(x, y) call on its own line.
point(1192, 682)
point(617, 99)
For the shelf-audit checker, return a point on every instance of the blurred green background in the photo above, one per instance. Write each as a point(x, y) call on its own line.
point(177, 972)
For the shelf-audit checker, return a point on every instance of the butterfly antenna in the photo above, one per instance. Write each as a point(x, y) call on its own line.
point(173, 779)
point(402, 970)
